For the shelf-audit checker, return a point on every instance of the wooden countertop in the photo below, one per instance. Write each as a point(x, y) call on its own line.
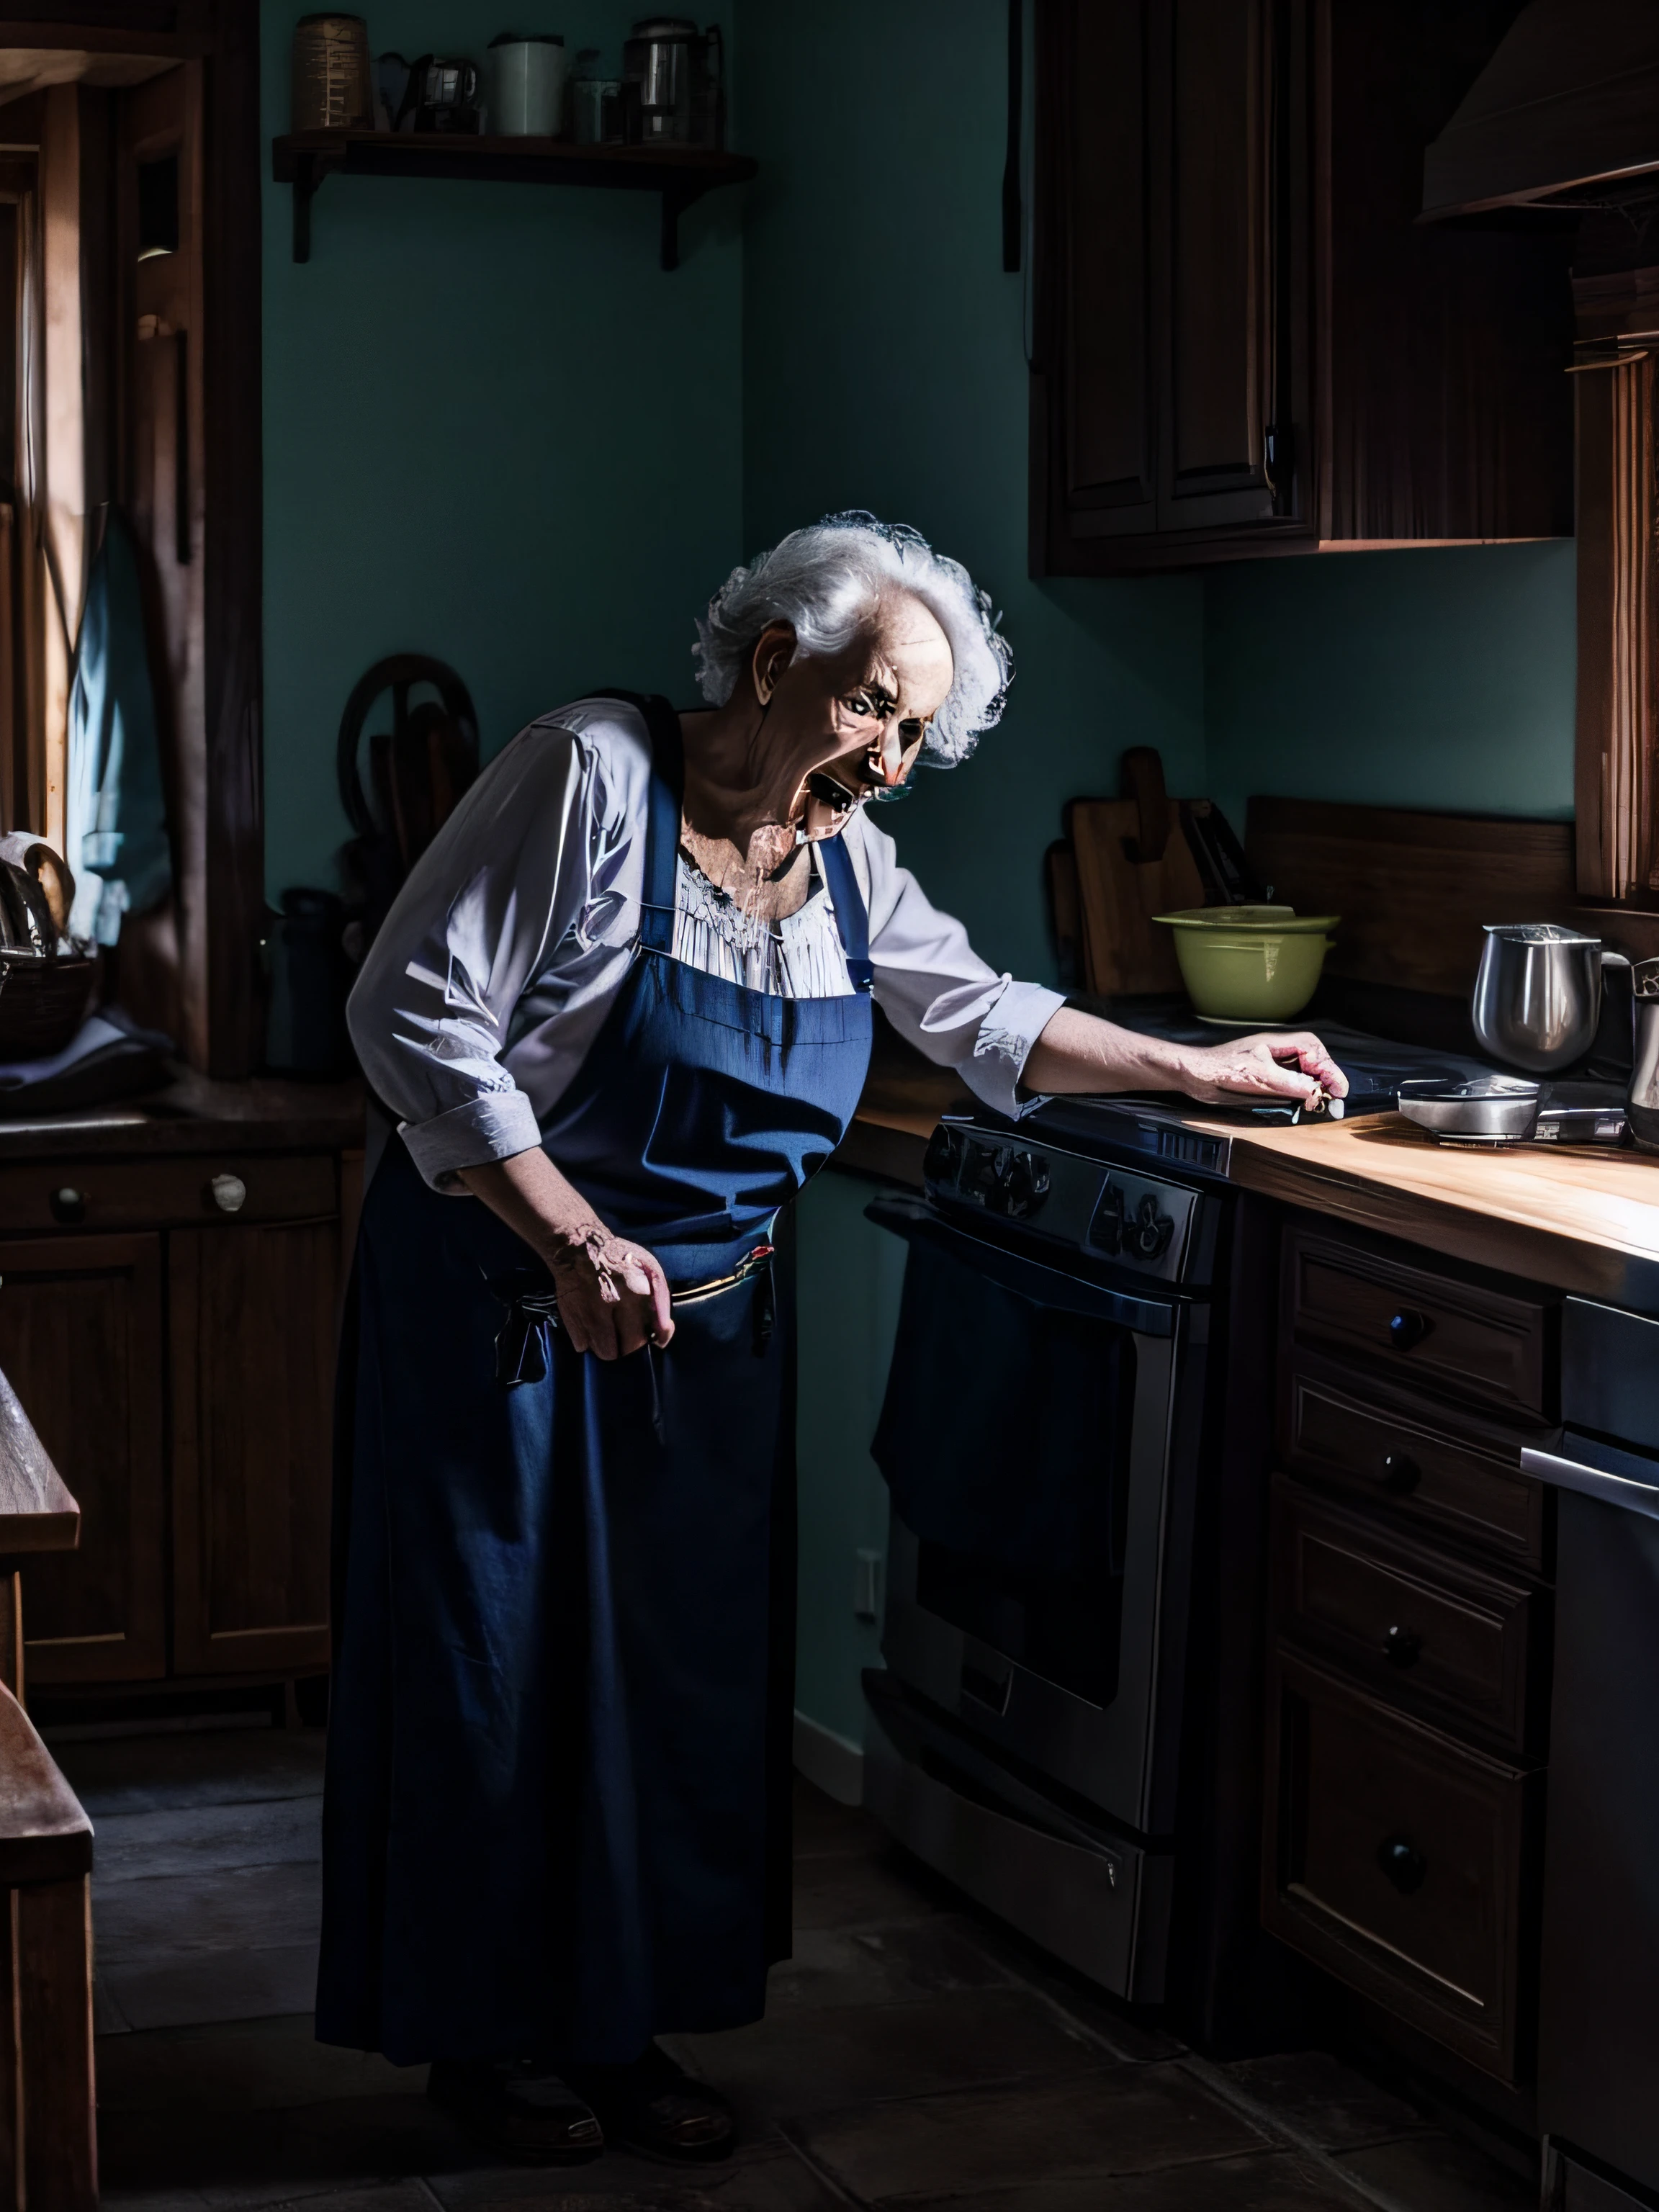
point(1581, 1219)
point(195, 1114)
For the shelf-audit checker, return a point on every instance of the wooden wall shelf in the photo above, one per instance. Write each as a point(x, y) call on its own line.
point(680, 173)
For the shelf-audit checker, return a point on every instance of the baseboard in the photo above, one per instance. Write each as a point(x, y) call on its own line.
point(831, 1761)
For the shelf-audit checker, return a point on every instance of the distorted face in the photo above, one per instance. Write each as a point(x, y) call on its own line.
point(841, 726)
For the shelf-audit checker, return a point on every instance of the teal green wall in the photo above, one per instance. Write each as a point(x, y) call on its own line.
point(1437, 678)
point(495, 431)
point(885, 366)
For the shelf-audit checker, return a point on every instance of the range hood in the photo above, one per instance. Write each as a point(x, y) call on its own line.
point(1571, 99)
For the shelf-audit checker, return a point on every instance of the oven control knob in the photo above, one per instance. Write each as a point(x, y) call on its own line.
point(1147, 1236)
point(1022, 1183)
point(1106, 1230)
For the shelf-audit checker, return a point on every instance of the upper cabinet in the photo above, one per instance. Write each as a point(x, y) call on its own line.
point(1245, 341)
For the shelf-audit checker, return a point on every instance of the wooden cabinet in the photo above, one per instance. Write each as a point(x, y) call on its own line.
point(1221, 213)
point(1402, 1862)
point(251, 1329)
point(1410, 1617)
point(1429, 1633)
point(81, 1342)
point(180, 1374)
point(1462, 1338)
point(1167, 261)
point(1244, 343)
point(1450, 1470)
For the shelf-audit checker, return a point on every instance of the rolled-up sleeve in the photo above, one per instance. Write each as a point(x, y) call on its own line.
point(936, 990)
point(473, 926)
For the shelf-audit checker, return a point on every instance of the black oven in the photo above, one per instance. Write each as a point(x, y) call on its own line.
point(1041, 1437)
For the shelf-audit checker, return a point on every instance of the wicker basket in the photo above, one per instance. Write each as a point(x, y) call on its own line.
point(42, 1002)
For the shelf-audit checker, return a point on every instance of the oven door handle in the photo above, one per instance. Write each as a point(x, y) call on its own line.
point(915, 1220)
point(1613, 1488)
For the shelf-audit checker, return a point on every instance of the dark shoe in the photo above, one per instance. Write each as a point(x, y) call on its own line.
point(518, 2110)
point(655, 2107)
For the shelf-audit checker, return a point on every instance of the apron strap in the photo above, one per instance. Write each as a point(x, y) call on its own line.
point(852, 916)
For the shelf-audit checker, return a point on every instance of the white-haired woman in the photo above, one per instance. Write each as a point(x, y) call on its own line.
point(622, 1010)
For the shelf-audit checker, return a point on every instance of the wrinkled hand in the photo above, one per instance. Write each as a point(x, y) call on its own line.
point(613, 1294)
point(1280, 1063)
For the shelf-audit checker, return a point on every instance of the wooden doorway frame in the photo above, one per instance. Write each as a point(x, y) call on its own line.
point(220, 980)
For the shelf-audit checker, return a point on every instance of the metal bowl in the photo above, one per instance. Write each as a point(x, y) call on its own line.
point(1485, 1106)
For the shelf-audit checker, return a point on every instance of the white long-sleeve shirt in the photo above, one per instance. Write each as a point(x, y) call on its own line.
point(506, 949)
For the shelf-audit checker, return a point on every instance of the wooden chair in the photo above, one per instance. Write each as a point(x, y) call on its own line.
point(48, 2135)
point(48, 2111)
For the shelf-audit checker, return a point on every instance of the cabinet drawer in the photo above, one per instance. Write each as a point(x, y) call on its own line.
point(1460, 1337)
point(1401, 1862)
point(158, 1193)
point(1451, 1472)
point(1420, 1629)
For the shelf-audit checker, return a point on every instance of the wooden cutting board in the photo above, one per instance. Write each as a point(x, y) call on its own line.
point(1123, 949)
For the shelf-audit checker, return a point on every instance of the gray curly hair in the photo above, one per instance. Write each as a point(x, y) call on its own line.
point(824, 581)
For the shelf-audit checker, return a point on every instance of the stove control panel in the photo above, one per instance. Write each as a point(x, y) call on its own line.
point(1103, 1213)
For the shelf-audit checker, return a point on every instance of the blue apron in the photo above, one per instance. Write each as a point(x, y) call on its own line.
point(556, 1819)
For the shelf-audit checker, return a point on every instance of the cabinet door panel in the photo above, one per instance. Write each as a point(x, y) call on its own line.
point(1094, 423)
point(253, 1314)
point(1447, 1469)
point(1420, 1628)
point(1223, 270)
point(1401, 1862)
point(81, 1344)
point(1109, 445)
point(1417, 1322)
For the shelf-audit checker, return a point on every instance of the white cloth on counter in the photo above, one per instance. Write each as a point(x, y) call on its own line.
point(494, 970)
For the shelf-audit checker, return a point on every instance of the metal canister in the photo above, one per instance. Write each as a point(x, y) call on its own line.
point(333, 88)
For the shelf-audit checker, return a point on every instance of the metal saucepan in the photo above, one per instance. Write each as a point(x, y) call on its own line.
point(1538, 994)
point(1492, 1108)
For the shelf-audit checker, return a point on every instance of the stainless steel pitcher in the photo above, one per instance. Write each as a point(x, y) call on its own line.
point(1538, 994)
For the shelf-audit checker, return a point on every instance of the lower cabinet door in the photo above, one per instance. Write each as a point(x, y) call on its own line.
point(252, 1323)
point(81, 1344)
point(1400, 1860)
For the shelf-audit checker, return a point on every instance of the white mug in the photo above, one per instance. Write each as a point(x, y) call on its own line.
point(526, 89)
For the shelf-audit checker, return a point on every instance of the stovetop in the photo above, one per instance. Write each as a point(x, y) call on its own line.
point(1161, 1123)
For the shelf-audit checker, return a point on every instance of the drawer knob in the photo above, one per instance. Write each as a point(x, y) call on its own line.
point(1403, 1864)
point(1402, 1647)
point(1401, 1473)
point(1408, 1328)
point(229, 1193)
point(67, 1205)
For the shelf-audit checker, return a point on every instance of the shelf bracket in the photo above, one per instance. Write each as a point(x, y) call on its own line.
point(675, 198)
point(309, 170)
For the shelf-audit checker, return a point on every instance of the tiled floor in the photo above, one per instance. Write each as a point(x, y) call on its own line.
point(912, 2055)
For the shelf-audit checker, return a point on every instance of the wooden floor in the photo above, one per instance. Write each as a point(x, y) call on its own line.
point(912, 2055)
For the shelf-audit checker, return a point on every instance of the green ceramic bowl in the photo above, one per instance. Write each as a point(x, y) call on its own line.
point(1250, 963)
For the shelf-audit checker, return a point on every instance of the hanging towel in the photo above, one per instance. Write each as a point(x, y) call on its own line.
point(117, 824)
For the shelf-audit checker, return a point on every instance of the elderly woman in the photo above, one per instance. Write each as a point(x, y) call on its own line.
point(622, 1008)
